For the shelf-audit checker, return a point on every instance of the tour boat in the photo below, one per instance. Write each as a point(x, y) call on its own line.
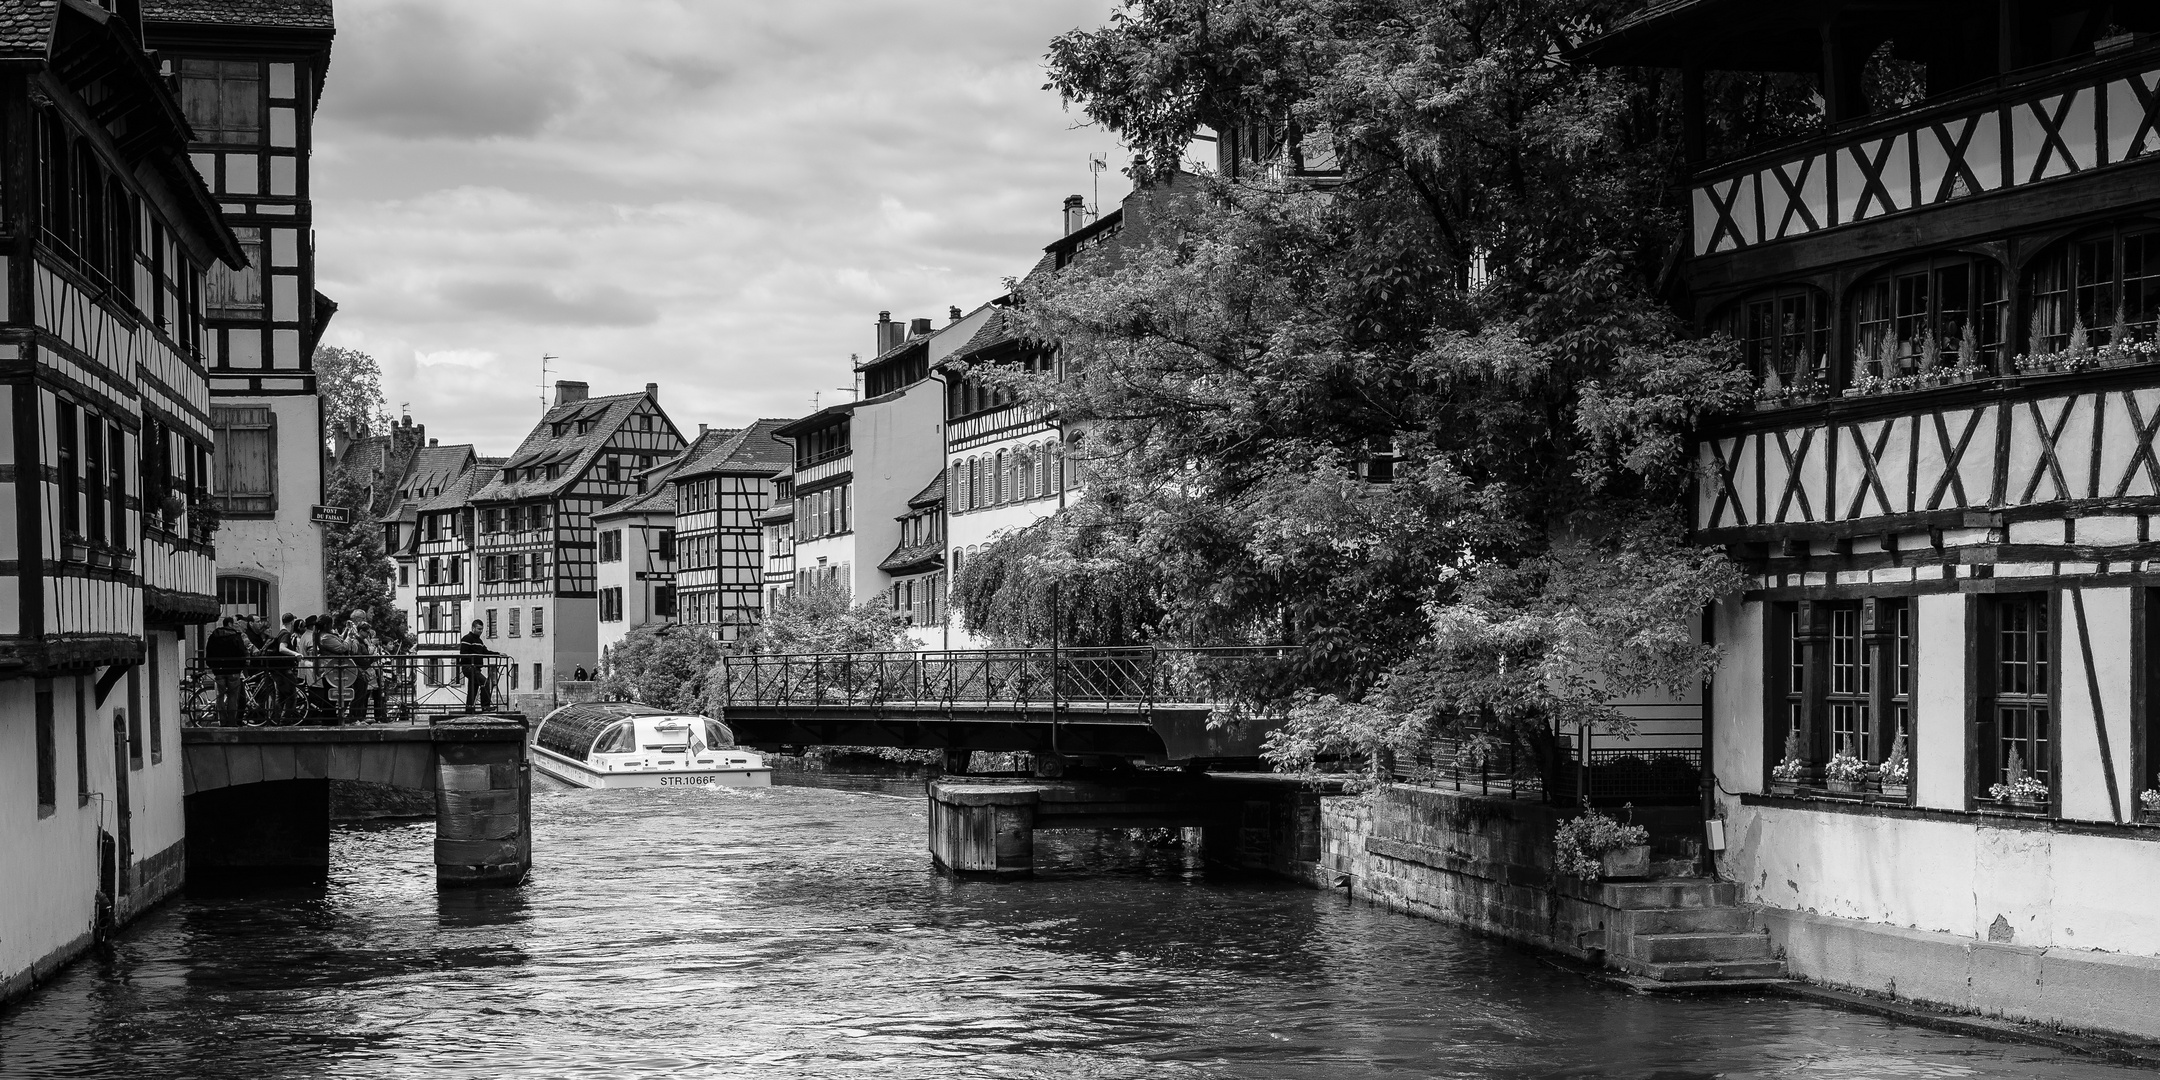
point(623, 744)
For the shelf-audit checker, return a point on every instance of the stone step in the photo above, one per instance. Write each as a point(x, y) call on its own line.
point(1695, 920)
point(1702, 971)
point(1706, 948)
point(1671, 893)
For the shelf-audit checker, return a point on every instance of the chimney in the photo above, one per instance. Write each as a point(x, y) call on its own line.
point(889, 333)
point(434, 442)
point(701, 431)
point(652, 390)
point(953, 313)
point(1075, 214)
point(567, 391)
point(919, 328)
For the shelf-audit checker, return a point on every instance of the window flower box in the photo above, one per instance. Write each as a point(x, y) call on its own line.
point(100, 557)
point(1846, 787)
point(1898, 792)
point(1626, 863)
point(74, 549)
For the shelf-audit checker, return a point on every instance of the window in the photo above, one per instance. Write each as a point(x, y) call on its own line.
point(491, 624)
point(2109, 284)
point(70, 465)
point(538, 682)
point(513, 669)
point(667, 545)
point(1851, 686)
point(539, 566)
point(537, 627)
point(48, 753)
point(611, 546)
point(514, 567)
point(457, 569)
point(222, 99)
point(491, 568)
point(245, 483)
point(404, 574)
point(243, 596)
point(1841, 675)
point(1004, 492)
point(611, 605)
point(93, 434)
point(1938, 313)
point(536, 517)
point(663, 601)
point(2014, 725)
point(237, 294)
point(514, 621)
point(620, 739)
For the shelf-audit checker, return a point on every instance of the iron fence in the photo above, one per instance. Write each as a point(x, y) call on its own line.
point(1238, 676)
point(396, 688)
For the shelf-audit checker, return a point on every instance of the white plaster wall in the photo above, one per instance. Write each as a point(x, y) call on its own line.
point(285, 550)
point(48, 866)
point(1736, 738)
point(2048, 889)
point(898, 448)
point(2085, 792)
point(1938, 750)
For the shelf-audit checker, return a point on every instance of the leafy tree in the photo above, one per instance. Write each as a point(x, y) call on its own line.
point(1476, 312)
point(356, 570)
point(668, 667)
point(349, 382)
point(823, 617)
point(1038, 577)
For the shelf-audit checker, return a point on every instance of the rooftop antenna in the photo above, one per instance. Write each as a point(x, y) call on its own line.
point(1096, 164)
point(544, 370)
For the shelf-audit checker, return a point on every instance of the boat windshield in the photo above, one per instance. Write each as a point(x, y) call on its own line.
point(620, 739)
point(717, 737)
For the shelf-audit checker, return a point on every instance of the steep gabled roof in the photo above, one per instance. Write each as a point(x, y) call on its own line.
point(932, 494)
point(284, 14)
point(459, 490)
point(571, 453)
point(433, 468)
point(755, 450)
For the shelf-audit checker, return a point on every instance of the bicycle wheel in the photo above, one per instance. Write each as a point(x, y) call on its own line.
point(200, 703)
point(257, 699)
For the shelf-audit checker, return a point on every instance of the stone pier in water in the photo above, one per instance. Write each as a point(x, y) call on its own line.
point(986, 826)
point(258, 799)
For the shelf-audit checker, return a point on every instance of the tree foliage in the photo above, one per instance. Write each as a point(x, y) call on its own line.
point(821, 617)
point(668, 667)
point(356, 570)
point(1478, 306)
point(1038, 583)
point(349, 383)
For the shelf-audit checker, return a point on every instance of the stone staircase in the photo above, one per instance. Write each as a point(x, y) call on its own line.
point(1686, 933)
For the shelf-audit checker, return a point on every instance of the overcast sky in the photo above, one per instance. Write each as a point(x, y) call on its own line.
point(714, 195)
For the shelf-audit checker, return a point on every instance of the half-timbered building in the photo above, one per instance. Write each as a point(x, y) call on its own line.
point(437, 572)
point(1934, 735)
point(535, 545)
point(106, 557)
point(250, 76)
point(719, 497)
point(636, 565)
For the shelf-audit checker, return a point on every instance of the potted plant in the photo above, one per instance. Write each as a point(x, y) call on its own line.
point(1897, 771)
point(2150, 800)
point(1593, 846)
point(2022, 789)
point(1785, 775)
point(123, 559)
point(100, 555)
point(74, 548)
point(1846, 774)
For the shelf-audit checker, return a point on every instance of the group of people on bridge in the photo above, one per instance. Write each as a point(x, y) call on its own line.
point(324, 669)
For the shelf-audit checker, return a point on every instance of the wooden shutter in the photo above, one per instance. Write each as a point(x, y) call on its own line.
point(246, 475)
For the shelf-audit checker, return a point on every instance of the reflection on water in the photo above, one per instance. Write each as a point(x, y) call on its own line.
point(800, 932)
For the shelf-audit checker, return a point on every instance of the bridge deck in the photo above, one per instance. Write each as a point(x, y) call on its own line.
point(401, 755)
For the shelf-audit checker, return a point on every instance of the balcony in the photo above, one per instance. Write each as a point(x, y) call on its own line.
point(2098, 114)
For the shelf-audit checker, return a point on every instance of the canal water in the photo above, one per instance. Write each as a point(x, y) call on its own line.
point(800, 932)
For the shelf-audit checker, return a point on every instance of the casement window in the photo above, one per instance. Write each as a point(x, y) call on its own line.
point(667, 545)
point(94, 478)
point(538, 628)
point(611, 604)
point(514, 621)
point(491, 568)
point(404, 574)
point(611, 545)
point(457, 569)
point(222, 99)
point(536, 517)
point(70, 466)
point(2016, 715)
point(1942, 310)
point(538, 566)
point(1841, 675)
point(245, 483)
point(491, 520)
point(663, 601)
point(514, 567)
point(434, 571)
point(491, 624)
point(237, 293)
point(1783, 331)
point(2110, 283)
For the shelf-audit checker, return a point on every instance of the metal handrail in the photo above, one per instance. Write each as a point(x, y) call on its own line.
point(283, 690)
point(1056, 679)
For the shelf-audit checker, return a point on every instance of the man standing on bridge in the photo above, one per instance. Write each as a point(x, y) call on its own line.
point(479, 696)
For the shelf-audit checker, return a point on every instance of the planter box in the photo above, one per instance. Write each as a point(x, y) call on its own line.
point(1784, 787)
point(2025, 804)
point(1621, 864)
point(1847, 787)
point(1898, 792)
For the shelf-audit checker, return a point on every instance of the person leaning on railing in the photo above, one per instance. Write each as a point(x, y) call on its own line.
point(333, 653)
point(479, 693)
point(281, 657)
point(226, 655)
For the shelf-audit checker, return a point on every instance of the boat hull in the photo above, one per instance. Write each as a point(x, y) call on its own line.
point(578, 774)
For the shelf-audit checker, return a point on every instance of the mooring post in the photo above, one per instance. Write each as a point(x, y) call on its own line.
point(483, 801)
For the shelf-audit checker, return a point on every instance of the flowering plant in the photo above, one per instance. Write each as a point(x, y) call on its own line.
point(2151, 800)
point(1793, 765)
point(1581, 842)
point(1846, 767)
point(2022, 786)
point(1897, 768)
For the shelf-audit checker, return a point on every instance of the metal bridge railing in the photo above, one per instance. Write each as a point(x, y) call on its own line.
point(1255, 675)
point(394, 688)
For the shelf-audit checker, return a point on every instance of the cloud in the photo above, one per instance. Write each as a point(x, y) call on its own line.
point(715, 197)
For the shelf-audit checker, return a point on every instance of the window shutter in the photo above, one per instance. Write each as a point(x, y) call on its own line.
point(246, 474)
